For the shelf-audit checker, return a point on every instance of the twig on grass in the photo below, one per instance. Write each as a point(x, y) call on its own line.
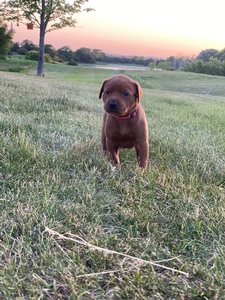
point(81, 241)
point(102, 273)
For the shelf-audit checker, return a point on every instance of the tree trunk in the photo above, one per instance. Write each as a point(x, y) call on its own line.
point(40, 70)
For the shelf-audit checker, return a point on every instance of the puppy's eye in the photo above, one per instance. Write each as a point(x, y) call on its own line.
point(107, 92)
point(125, 94)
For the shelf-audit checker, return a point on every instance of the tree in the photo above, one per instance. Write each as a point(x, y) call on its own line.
point(223, 67)
point(178, 62)
point(196, 66)
point(15, 47)
point(28, 45)
point(50, 50)
point(165, 65)
point(152, 65)
point(214, 67)
point(5, 40)
point(22, 51)
point(199, 66)
point(98, 55)
point(65, 53)
point(41, 13)
point(221, 55)
point(84, 55)
point(206, 54)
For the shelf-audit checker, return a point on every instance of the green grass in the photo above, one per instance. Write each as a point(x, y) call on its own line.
point(199, 84)
point(17, 64)
point(53, 174)
point(179, 82)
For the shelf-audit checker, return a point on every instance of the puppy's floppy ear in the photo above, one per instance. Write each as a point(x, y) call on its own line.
point(139, 91)
point(102, 88)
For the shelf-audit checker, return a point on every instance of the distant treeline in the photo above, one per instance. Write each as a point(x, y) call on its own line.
point(82, 55)
point(209, 61)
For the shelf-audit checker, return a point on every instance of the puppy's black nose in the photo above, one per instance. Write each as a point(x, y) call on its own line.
point(113, 104)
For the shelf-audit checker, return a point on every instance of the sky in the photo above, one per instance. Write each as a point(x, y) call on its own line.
point(158, 28)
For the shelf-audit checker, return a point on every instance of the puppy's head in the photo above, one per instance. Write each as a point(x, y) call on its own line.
point(121, 95)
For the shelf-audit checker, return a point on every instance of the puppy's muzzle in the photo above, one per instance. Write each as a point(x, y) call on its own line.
point(113, 105)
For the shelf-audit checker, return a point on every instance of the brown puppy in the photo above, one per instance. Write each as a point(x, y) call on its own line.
point(124, 120)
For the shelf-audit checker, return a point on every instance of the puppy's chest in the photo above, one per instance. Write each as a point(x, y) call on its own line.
point(122, 133)
point(123, 140)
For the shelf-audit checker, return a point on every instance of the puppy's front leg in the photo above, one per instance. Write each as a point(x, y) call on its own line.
point(142, 152)
point(113, 151)
point(103, 137)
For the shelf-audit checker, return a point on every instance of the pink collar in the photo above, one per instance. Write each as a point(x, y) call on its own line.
point(132, 115)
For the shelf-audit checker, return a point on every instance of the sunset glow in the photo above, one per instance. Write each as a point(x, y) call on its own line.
point(152, 28)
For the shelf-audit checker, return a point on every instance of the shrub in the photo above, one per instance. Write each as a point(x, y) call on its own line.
point(32, 55)
point(47, 58)
point(72, 62)
point(2, 57)
point(22, 51)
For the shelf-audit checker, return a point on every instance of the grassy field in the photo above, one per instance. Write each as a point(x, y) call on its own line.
point(72, 226)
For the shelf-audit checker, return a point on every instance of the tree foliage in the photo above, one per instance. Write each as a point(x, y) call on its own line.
point(65, 53)
point(221, 55)
point(50, 50)
point(59, 14)
point(165, 66)
point(213, 66)
point(209, 61)
point(83, 55)
point(28, 45)
point(206, 54)
point(47, 15)
point(33, 55)
point(90, 56)
point(5, 40)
